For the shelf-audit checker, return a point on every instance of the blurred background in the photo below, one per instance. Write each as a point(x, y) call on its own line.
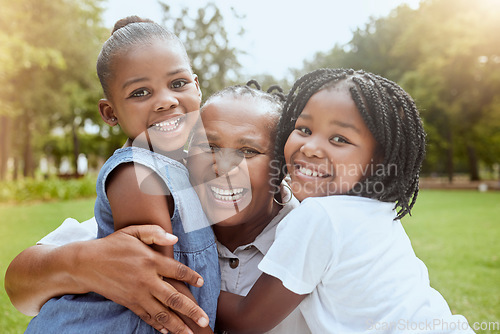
point(445, 53)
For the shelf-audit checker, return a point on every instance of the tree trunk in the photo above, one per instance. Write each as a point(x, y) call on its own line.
point(473, 163)
point(15, 175)
point(28, 169)
point(449, 158)
point(76, 147)
point(4, 145)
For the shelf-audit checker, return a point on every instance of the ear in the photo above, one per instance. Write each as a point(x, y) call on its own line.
point(107, 112)
point(197, 83)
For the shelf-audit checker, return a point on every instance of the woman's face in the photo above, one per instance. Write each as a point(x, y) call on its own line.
point(229, 160)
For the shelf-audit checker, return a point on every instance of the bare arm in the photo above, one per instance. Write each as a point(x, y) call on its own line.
point(129, 275)
point(38, 274)
point(266, 305)
point(130, 205)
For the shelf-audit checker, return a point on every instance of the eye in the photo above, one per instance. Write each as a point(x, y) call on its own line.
point(179, 84)
point(304, 130)
point(140, 93)
point(206, 147)
point(339, 140)
point(248, 152)
point(214, 148)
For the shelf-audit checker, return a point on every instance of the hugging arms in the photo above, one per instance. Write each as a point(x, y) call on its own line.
point(129, 273)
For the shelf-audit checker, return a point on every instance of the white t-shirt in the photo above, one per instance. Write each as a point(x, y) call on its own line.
point(358, 268)
point(70, 231)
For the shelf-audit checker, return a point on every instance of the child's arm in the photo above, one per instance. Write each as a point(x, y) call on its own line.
point(266, 305)
point(131, 206)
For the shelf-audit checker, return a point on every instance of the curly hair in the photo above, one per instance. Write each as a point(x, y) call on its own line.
point(274, 96)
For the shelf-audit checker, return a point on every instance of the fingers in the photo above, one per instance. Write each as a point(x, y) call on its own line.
point(160, 312)
point(150, 234)
point(181, 304)
point(163, 320)
point(171, 268)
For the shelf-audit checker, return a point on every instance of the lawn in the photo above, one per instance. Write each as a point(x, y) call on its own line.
point(456, 233)
point(22, 226)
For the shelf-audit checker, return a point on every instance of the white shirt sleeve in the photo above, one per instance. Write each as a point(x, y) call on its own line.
point(70, 231)
point(303, 250)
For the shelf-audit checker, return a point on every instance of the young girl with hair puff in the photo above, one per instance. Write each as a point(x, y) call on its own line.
point(152, 93)
point(353, 143)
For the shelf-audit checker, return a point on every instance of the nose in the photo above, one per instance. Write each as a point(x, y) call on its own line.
point(226, 161)
point(166, 100)
point(313, 147)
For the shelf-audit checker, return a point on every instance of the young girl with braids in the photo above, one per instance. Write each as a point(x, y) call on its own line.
point(152, 93)
point(353, 143)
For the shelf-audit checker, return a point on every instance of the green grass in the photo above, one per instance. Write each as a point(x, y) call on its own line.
point(456, 234)
point(22, 226)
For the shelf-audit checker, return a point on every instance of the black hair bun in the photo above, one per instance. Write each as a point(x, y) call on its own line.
point(128, 20)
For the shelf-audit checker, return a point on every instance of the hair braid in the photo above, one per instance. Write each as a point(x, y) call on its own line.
point(391, 116)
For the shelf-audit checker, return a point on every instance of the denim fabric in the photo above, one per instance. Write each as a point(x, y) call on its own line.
point(196, 248)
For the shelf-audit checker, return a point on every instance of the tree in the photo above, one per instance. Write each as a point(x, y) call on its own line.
point(213, 58)
point(53, 45)
point(446, 56)
point(17, 55)
point(456, 77)
point(375, 47)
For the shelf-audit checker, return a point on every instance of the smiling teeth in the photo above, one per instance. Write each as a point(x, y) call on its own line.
point(226, 194)
point(167, 126)
point(309, 172)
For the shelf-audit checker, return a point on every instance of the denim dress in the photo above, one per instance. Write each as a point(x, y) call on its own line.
point(92, 313)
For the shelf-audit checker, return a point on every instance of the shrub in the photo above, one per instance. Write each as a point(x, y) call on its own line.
point(53, 188)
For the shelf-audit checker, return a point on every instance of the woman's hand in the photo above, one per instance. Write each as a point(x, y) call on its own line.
point(121, 267)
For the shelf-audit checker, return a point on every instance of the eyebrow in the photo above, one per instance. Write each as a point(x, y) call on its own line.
point(243, 141)
point(336, 122)
point(346, 125)
point(139, 79)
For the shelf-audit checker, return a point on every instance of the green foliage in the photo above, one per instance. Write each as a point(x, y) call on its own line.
point(52, 46)
point(22, 226)
point(54, 188)
point(446, 56)
point(205, 37)
point(48, 101)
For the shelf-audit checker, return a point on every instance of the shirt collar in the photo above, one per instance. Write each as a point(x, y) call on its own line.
point(266, 238)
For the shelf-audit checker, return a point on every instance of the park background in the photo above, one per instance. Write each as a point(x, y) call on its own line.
point(445, 53)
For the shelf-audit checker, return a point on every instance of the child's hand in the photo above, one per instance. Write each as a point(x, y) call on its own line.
point(121, 267)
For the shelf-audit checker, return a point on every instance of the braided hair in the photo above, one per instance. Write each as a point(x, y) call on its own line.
point(127, 33)
point(391, 116)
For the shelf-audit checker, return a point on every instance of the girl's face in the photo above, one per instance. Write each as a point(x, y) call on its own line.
point(331, 148)
point(153, 88)
point(229, 160)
